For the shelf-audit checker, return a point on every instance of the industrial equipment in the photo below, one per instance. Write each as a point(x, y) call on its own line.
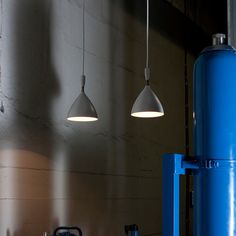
point(213, 164)
point(133, 229)
point(67, 231)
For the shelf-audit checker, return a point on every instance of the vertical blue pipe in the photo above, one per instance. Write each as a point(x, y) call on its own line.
point(172, 169)
point(215, 142)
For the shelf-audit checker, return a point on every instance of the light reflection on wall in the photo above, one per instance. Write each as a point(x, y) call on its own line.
point(59, 191)
point(25, 189)
point(8, 219)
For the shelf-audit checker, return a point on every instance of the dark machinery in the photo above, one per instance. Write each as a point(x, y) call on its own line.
point(67, 231)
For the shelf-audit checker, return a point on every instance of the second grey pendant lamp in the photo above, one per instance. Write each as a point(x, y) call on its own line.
point(147, 104)
point(82, 109)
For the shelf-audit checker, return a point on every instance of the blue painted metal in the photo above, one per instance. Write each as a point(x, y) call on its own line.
point(174, 165)
point(133, 229)
point(214, 164)
point(172, 169)
point(215, 142)
point(191, 165)
point(134, 233)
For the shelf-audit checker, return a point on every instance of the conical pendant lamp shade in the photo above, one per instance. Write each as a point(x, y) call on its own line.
point(82, 109)
point(147, 105)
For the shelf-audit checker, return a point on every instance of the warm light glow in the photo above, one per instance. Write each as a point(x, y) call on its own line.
point(147, 114)
point(82, 118)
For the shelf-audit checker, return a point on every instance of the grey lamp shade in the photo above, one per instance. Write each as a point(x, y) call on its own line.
point(147, 105)
point(82, 110)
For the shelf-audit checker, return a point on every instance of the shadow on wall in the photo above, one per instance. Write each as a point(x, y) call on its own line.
point(35, 80)
point(33, 83)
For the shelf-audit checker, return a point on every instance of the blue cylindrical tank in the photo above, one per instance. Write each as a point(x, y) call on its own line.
point(215, 140)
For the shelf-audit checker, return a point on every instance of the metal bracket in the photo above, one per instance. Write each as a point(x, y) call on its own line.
point(190, 165)
point(172, 169)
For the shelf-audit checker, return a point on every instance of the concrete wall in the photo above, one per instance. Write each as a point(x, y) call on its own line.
point(98, 176)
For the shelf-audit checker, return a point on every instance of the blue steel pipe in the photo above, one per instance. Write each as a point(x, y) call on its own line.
point(215, 141)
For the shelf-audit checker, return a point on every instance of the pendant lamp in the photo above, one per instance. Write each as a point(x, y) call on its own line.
point(147, 104)
point(82, 109)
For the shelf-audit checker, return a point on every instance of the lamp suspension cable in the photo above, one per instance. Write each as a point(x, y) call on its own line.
point(147, 104)
point(1, 27)
point(83, 48)
point(147, 69)
point(82, 109)
point(83, 38)
point(147, 36)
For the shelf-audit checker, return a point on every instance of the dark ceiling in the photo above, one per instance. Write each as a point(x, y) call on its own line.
point(205, 17)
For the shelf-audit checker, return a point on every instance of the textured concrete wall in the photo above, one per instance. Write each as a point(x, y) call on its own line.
point(98, 176)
